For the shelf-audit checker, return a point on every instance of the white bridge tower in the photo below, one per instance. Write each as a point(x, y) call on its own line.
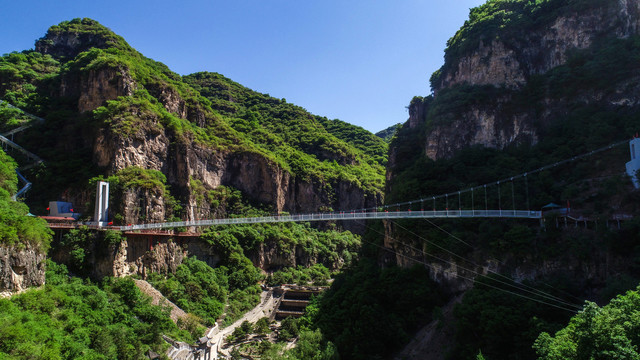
point(102, 204)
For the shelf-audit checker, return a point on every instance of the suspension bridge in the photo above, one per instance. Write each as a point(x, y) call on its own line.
point(492, 200)
point(472, 202)
point(498, 199)
point(342, 216)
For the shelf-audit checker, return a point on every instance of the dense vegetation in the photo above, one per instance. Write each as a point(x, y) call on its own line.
point(610, 332)
point(203, 291)
point(75, 319)
point(16, 226)
point(332, 248)
point(310, 146)
point(388, 133)
point(491, 321)
point(369, 312)
point(317, 275)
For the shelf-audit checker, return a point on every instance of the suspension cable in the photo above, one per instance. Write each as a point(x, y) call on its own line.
point(499, 198)
point(540, 169)
point(520, 286)
point(536, 292)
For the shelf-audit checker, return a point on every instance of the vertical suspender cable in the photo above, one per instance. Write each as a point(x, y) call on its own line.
point(513, 197)
point(499, 199)
point(472, 204)
point(459, 201)
point(526, 184)
point(486, 206)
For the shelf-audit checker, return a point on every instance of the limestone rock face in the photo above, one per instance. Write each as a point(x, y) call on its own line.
point(510, 62)
point(20, 269)
point(100, 86)
point(140, 256)
point(488, 96)
point(486, 126)
point(253, 174)
point(69, 44)
point(493, 63)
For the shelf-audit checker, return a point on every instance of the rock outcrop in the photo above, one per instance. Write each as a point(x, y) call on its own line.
point(503, 92)
point(510, 61)
point(102, 85)
point(502, 68)
point(20, 268)
point(256, 176)
point(147, 142)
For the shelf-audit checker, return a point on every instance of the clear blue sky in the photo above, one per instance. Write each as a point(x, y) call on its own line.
point(360, 61)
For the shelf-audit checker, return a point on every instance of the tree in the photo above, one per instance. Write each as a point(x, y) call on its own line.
point(262, 326)
point(611, 332)
point(288, 329)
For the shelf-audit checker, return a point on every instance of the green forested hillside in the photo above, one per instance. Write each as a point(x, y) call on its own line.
point(75, 319)
point(610, 332)
point(215, 112)
point(16, 226)
point(388, 133)
point(310, 145)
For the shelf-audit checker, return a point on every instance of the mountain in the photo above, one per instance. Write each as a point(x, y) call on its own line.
point(172, 147)
point(515, 68)
point(388, 133)
point(522, 86)
point(109, 111)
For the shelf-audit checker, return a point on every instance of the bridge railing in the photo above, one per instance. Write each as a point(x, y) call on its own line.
point(354, 215)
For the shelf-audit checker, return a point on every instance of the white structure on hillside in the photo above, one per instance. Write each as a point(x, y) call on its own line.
point(102, 204)
point(634, 165)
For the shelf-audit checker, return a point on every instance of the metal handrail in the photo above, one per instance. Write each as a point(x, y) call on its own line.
point(354, 215)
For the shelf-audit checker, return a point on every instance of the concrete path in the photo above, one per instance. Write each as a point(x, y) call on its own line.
point(264, 309)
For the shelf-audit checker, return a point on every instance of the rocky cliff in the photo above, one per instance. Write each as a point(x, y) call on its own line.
point(125, 110)
point(20, 268)
point(485, 93)
point(522, 85)
point(510, 56)
point(177, 147)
